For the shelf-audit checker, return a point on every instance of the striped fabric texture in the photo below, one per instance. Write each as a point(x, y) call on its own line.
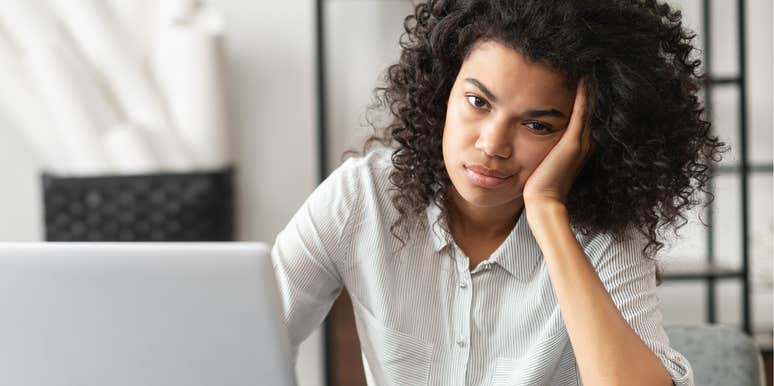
point(423, 317)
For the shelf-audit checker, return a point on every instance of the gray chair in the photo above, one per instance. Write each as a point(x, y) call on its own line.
point(719, 355)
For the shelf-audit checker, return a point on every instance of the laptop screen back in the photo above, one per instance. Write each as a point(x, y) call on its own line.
point(140, 314)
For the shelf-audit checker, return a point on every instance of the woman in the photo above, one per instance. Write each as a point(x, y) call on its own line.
point(505, 233)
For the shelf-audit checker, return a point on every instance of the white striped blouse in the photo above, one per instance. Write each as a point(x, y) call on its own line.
point(422, 316)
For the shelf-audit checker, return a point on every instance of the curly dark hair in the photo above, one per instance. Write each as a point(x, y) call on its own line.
point(655, 151)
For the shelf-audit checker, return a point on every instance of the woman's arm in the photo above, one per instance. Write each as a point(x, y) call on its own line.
point(307, 253)
point(603, 313)
point(608, 351)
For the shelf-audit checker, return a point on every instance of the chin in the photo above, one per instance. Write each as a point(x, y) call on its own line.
point(483, 198)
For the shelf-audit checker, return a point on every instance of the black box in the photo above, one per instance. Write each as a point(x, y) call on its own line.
point(190, 206)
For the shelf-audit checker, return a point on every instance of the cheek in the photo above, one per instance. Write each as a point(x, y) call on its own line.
point(458, 132)
point(530, 153)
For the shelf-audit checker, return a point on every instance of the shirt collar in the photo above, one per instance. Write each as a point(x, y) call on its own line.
point(519, 254)
point(441, 237)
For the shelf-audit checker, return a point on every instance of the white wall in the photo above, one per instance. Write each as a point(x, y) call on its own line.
point(273, 94)
point(272, 90)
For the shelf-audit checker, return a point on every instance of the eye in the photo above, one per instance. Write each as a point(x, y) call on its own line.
point(539, 127)
point(477, 102)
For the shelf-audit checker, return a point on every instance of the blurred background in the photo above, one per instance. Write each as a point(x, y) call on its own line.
point(283, 88)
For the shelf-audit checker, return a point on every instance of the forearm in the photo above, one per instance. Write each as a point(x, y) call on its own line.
point(608, 351)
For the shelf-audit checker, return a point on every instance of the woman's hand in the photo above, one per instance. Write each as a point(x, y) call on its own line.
point(552, 179)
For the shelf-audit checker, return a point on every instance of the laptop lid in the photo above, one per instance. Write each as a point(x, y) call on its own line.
point(140, 314)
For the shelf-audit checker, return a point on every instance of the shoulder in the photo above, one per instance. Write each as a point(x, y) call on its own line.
point(367, 175)
point(350, 177)
point(373, 164)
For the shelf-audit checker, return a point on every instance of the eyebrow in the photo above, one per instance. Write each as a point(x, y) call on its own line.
point(544, 113)
point(483, 89)
point(530, 113)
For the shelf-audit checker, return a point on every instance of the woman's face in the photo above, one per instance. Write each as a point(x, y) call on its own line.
point(504, 115)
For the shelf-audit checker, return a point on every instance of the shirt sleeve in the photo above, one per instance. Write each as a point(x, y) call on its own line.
point(630, 279)
point(306, 252)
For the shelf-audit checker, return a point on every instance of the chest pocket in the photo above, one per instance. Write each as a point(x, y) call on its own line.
point(393, 357)
point(550, 362)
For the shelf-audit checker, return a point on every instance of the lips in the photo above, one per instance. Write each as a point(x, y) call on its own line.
point(483, 170)
point(485, 177)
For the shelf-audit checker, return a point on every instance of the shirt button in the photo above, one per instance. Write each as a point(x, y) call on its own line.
point(486, 266)
point(461, 342)
point(463, 284)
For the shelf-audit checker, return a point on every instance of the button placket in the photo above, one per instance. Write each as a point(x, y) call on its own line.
point(464, 304)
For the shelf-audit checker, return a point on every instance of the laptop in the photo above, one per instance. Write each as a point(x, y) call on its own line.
point(148, 314)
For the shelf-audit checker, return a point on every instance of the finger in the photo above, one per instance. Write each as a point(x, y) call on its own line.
point(588, 141)
point(577, 119)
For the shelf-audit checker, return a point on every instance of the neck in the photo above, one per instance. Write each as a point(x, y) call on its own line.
point(482, 222)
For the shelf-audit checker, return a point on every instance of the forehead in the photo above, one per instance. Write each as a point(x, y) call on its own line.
point(511, 76)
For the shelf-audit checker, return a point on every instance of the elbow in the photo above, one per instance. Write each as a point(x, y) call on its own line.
point(644, 376)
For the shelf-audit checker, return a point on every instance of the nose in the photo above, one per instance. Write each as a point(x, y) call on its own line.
point(494, 140)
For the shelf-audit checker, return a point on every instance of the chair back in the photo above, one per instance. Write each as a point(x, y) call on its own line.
point(719, 355)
